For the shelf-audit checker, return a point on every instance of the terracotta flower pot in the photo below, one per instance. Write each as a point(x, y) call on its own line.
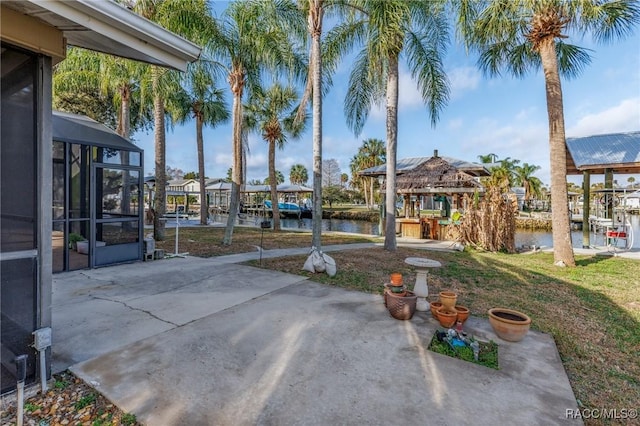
point(448, 299)
point(434, 308)
point(463, 313)
point(447, 318)
point(396, 279)
point(508, 324)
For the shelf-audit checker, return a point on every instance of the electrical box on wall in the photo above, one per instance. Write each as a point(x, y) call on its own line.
point(42, 338)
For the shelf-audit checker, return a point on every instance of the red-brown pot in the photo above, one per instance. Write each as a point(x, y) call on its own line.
point(463, 313)
point(446, 318)
point(434, 308)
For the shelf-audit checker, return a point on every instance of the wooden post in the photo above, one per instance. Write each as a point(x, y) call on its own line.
point(586, 206)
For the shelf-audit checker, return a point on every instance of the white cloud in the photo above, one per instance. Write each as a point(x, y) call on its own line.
point(623, 117)
point(527, 142)
point(455, 124)
point(463, 79)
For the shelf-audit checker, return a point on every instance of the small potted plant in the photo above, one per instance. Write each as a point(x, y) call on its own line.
point(73, 240)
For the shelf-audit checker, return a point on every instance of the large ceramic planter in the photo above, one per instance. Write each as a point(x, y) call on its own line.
point(448, 300)
point(508, 324)
point(401, 307)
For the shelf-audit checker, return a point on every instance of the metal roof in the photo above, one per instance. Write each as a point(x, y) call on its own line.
point(407, 164)
point(108, 27)
point(617, 151)
point(73, 128)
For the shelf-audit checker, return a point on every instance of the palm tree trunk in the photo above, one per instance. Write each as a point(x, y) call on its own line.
point(562, 247)
point(392, 144)
point(315, 27)
point(161, 162)
point(273, 186)
point(236, 80)
point(125, 130)
point(204, 207)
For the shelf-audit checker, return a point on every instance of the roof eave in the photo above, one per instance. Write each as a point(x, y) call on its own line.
point(136, 37)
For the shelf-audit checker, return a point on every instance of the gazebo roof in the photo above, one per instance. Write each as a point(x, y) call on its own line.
point(436, 176)
point(619, 152)
point(405, 165)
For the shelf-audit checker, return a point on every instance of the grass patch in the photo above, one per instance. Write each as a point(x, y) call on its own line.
point(488, 355)
point(207, 241)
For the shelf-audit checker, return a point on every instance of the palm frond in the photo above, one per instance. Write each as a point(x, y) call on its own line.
point(427, 68)
point(360, 94)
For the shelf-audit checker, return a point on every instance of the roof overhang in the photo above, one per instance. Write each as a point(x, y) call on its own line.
point(597, 154)
point(108, 27)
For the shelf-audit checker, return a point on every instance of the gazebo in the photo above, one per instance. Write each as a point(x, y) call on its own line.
point(443, 178)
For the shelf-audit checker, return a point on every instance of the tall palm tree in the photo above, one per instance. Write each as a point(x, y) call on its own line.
point(523, 176)
point(204, 102)
point(190, 19)
point(245, 49)
point(525, 35)
point(374, 153)
point(385, 29)
point(272, 113)
point(314, 11)
point(298, 175)
point(358, 163)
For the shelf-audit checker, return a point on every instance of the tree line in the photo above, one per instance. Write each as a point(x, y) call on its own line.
point(277, 73)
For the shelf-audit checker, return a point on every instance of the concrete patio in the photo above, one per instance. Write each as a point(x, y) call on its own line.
point(205, 342)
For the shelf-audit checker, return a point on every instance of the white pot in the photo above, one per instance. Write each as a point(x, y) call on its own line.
point(82, 247)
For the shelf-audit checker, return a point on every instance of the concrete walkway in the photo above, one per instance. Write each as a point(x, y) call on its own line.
point(208, 342)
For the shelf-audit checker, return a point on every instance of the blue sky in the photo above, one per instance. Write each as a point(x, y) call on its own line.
point(501, 115)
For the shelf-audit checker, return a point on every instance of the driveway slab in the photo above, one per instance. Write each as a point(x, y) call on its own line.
point(307, 354)
point(95, 311)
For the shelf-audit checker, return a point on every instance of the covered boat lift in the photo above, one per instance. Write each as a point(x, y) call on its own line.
point(603, 154)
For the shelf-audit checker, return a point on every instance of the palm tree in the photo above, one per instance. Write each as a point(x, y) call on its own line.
point(245, 49)
point(314, 12)
point(524, 177)
point(358, 163)
point(206, 104)
point(387, 28)
point(344, 178)
point(373, 151)
point(524, 35)
point(272, 113)
point(298, 175)
point(190, 19)
point(117, 79)
point(487, 159)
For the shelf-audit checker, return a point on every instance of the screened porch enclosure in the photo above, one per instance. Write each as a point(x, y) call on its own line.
point(97, 190)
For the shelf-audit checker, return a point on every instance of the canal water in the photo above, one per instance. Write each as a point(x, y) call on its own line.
point(525, 238)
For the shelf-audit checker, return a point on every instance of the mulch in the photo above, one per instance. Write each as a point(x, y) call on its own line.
point(69, 401)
